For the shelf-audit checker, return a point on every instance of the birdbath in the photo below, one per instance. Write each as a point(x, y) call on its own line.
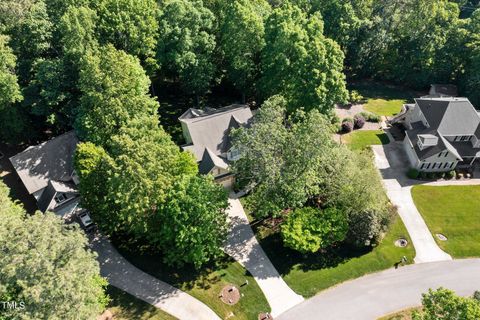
point(402, 243)
point(265, 316)
point(230, 295)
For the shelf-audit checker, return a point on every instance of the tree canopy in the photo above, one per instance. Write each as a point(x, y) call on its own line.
point(300, 63)
point(46, 265)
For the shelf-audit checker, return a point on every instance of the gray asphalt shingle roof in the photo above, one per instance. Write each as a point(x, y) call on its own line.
point(50, 160)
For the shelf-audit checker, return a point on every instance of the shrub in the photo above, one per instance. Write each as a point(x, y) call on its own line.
point(358, 121)
point(369, 116)
point(423, 175)
point(366, 227)
point(459, 175)
point(468, 175)
point(347, 125)
point(440, 175)
point(431, 175)
point(449, 174)
point(355, 97)
point(413, 173)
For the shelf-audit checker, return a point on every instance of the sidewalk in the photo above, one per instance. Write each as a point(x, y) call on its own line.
point(123, 275)
point(245, 249)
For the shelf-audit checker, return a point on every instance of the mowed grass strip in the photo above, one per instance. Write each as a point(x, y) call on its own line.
point(309, 274)
point(362, 139)
point(453, 211)
point(124, 306)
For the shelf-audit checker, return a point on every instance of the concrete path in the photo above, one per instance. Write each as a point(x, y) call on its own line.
point(123, 275)
point(375, 295)
point(391, 160)
point(244, 248)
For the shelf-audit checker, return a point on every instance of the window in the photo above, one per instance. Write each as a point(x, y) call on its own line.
point(451, 165)
point(446, 164)
point(428, 165)
point(61, 197)
point(465, 138)
point(423, 165)
point(434, 165)
point(446, 154)
point(440, 154)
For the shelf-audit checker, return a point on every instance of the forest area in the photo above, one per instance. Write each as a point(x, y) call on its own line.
point(120, 72)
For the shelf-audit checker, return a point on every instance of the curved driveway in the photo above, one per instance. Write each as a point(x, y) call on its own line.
point(375, 295)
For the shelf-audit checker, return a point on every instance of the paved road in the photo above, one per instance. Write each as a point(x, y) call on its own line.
point(244, 248)
point(375, 295)
point(123, 275)
point(392, 162)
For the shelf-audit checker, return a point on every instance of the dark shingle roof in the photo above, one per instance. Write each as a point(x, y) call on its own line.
point(210, 161)
point(50, 160)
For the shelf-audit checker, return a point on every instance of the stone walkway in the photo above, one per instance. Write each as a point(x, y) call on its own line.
point(378, 294)
point(244, 248)
point(390, 160)
point(123, 275)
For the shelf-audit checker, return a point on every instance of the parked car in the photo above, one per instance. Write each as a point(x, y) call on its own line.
point(85, 221)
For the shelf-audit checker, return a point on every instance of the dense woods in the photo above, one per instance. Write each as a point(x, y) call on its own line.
point(91, 66)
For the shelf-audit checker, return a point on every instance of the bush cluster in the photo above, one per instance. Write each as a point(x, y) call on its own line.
point(347, 125)
point(369, 116)
point(358, 121)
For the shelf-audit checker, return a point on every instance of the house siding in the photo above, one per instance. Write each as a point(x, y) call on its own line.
point(412, 157)
point(441, 163)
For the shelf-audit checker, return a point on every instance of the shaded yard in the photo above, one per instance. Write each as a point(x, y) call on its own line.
point(361, 139)
point(453, 211)
point(124, 306)
point(309, 274)
point(206, 284)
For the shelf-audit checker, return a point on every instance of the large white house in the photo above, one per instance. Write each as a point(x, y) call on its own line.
point(206, 133)
point(443, 133)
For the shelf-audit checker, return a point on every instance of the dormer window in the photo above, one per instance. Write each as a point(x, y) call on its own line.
point(233, 154)
point(61, 197)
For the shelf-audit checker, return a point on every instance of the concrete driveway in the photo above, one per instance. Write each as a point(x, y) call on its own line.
point(243, 246)
point(392, 162)
point(375, 295)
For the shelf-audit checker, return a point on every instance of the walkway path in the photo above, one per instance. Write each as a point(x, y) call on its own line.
point(375, 295)
point(123, 275)
point(244, 248)
point(390, 160)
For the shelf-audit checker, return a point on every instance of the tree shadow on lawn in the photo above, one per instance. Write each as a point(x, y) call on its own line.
point(285, 259)
point(383, 90)
point(185, 278)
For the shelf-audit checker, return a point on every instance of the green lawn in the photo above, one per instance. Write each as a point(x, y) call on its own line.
point(384, 107)
point(124, 306)
point(206, 284)
point(455, 212)
point(383, 99)
point(309, 274)
point(361, 139)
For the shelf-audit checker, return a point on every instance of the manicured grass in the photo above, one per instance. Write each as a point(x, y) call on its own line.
point(206, 284)
point(361, 139)
point(402, 315)
point(453, 211)
point(384, 107)
point(309, 274)
point(383, 99)
point(124, 306)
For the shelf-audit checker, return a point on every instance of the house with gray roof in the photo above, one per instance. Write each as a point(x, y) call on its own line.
point(443, 133)
point(207, 136)
point(47, 173)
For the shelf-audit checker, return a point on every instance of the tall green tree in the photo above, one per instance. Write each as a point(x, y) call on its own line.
point(300, 63)
point(130, 26)
point(241, 41)
point(309, 230)
point(12, 119)
point(445, 304)
point(186, 44)
point(47, 266)
point(115, 91)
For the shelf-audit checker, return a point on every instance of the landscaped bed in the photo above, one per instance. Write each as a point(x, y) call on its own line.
point(402, 315)
point(452, 211)
point(124, 306)
point(206, 284)
point(309, 274)
point(362, 139)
